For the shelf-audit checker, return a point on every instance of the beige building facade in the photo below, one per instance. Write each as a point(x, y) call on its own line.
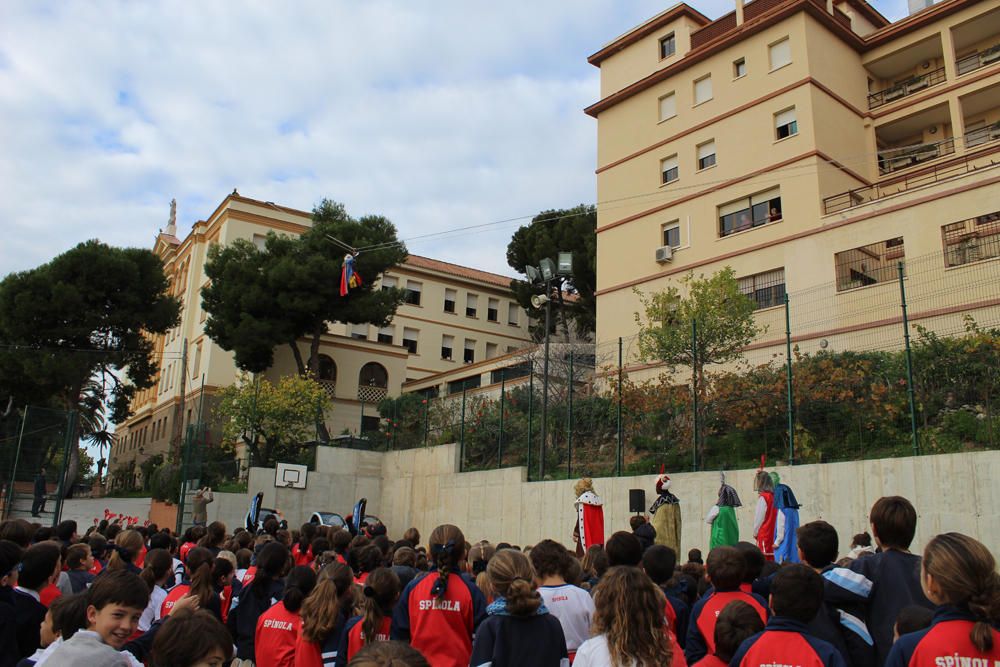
point(811, 146)
point(453, 316)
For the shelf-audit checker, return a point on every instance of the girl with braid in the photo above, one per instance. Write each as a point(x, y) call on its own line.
point(439, 611)
point(381, 592)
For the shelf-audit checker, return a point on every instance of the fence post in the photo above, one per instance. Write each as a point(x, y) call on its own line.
point(569, 422)
point(461, 439)
point(531, 400)
point(694, 394)
point(618, 452)
point(503, 386)
point(61, 488)
point(427, 410)
point(791, 402)
point(185, 458)
point(11, 496)
point(395, 424)
point(909, 365)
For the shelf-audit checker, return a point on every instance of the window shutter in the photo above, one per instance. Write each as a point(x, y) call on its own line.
point(668, 106)
point(765, 196)
point(785, 117)
point(703, 89)
point(706, 149)
point(780, 53)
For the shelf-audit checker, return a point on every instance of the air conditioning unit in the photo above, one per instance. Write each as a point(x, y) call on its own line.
point(664, 254)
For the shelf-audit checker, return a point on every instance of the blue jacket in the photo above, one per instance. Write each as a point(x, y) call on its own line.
point(947, 638)
point(786, 642)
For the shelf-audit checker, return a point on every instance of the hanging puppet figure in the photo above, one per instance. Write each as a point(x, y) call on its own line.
point(722, 517)
point(589, 528)
point(666, 511)
point(765, 516)
point(348, 277)
point(786, 546)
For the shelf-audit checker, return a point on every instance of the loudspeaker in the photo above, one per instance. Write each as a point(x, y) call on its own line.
point(637, 500)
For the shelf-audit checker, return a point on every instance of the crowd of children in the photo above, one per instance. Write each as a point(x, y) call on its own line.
point(322, 597)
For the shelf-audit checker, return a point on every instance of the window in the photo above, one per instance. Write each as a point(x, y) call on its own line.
point(672, 234)
point(668, 45)
point(779, 53)
point(373, 374)
point(512, 310)
point(359, 331)
point(449, 300)
point(785, 124)
point(447, 343)
point(327, 368)
point(668, 170)
point(766, 289)
point(739, 68)
point(196, 370)
point(458, 386)
point(493, 310)
point(491, 350)
point(370, 423)
point(972, 240)
point(470, 351)
point(471, 303)
point(385, 334)
point(388, 283)
point(703, 89)
point(668, 106)
point(748, 212)
point(260, 241)
point(706, 155)
point(410, 339)
point(413, 292)
point(869, 264)
point(520, 370)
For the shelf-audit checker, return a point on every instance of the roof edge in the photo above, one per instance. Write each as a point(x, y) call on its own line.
point(645, 29)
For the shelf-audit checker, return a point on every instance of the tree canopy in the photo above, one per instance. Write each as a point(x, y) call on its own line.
point(551, 232)
point(75, 331)
point(272, 420)
point(257, 300)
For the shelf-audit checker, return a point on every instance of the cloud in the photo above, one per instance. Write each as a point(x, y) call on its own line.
point(436, 114)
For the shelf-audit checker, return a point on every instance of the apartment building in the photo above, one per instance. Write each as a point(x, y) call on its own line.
point(453, 316)
point(812, 146)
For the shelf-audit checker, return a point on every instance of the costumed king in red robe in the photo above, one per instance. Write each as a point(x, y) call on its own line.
point(589, 528)
point(765, 518)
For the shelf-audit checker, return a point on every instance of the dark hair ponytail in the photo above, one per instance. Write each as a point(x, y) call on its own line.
point(199, 566)
point(157, 564)
point(300, 583)
point(447, 548)
point(381, 592)
point(271, 562)
point(306, 534)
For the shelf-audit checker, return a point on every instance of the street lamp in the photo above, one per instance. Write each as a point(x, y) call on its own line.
point(545, 272)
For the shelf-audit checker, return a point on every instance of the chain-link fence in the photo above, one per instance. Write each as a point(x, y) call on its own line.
point(895, 357)
point(35, 454)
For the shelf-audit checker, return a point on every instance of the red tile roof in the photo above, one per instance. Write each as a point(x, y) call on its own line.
point(447, 268)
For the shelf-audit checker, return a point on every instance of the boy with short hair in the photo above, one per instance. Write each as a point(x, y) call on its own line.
point(893, 575)
point(39, 567)
point(737, 622)
point(845, 593)
point(796, 597)
point(79, 562)
point(659, 562)
point(725, 569)
point(572, 606)
point(623, 549)
point(115, 602)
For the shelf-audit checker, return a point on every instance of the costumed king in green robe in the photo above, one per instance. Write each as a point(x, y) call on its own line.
point(666, 511)
point(722, 517)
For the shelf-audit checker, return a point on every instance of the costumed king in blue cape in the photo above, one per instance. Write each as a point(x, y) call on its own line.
point(786, 547)
point(348, 277)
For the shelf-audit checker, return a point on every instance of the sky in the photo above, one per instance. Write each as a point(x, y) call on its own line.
point(437, 114)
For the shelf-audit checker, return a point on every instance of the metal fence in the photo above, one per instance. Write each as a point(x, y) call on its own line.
point(894, 357)
point(34, 440)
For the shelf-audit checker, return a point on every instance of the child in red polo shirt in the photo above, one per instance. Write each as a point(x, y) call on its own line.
point(737, 622)
point(278, 628)
point(439, 612)
point(796, 597)
point(381, 592)
point(724, 571)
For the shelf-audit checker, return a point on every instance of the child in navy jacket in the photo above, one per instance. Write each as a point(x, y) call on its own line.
point(519, 630)
point(959, 576)
point(796, 597)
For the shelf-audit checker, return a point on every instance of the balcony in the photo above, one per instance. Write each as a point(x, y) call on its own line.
point(982, 135)
point(905, 88)
point(904, 157)
point(972, 240)
point(972, 62)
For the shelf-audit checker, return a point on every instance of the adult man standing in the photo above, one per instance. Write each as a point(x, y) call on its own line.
point(41, 488)
point(202, 498)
